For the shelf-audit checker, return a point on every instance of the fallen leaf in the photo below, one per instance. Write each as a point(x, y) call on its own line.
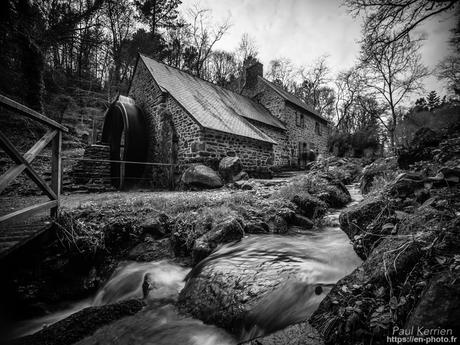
point(387, 226)
point(441, 259)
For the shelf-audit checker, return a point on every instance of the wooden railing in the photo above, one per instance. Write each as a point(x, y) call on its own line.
point(23, 162)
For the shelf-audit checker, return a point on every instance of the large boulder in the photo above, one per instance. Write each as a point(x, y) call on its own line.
point(222, 293)
point(309, 206)
point(229, 168)
point(355, 219)
point(81, 324)
point(227, 230)
point(439, 306)
point(201, 176)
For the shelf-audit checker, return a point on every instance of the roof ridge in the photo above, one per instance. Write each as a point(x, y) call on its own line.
point(195, 76)
point(307, 106)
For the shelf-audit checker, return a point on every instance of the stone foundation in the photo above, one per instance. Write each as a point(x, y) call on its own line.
point(91, 170)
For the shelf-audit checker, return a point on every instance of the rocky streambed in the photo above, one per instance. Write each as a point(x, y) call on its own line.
point(407, 231)
point(274, 245)
point(270, 264)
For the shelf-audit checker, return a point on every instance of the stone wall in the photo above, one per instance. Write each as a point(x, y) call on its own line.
point(281, 154)
point(289, 115)
point(92, 169)
point(216, 145)
point(304, 134)
point(159, 108)
point(272, 101)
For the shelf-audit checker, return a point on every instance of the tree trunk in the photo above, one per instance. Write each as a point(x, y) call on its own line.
point(33, 65)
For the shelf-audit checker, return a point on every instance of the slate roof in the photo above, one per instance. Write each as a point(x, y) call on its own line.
point(292, 99)
point(212, 106)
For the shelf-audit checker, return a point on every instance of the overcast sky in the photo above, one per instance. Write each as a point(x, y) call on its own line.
point(303, 30)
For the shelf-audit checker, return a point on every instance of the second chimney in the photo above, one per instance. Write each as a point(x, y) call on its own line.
point(252, 73)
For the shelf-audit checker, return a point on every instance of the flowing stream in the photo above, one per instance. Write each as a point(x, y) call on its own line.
point(321, 257)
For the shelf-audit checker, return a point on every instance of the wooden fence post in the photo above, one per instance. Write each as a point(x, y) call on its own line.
point(56, 169)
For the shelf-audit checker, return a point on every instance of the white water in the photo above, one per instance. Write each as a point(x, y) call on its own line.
point(321, 257)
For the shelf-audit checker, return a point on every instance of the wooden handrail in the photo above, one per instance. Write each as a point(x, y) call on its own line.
point(29, 156)
point(23, 162)
point(29, 210)
point(32, 114)
point(20, 160)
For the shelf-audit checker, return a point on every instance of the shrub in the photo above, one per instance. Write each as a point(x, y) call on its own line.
point(354, 144)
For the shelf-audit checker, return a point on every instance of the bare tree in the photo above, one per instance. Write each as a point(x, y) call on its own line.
point(350, 85)
point(120, 18)
point(392, 73)
point(247, 48)
point(223, 67)
point(314, 88)
point(392, 20)
point(204, 35)
point(449, 70)
point(178, 38)
point(282, 72)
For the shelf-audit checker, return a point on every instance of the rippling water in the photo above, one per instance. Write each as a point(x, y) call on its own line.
point(317, 258)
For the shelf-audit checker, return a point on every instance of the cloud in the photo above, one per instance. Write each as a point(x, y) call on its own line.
point(303, 30)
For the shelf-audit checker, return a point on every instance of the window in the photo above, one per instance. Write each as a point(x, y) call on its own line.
point(299, 120)
point(318, 128)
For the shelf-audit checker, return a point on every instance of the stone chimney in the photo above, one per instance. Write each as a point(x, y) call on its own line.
point(252, 72)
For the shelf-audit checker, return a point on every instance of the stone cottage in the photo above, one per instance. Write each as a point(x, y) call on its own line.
point(188, 120)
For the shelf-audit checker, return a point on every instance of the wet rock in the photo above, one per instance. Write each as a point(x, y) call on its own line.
point(439, 305)
point(278, 224)
point(81, 324)
point(335, 195)
point(256, 228)
point(242, 175)
point(159, 325)
point(201, 176)
point(300, 334)
point(223, 294)
point(309, 206)
point(302, 221)
point(229, 168)
point(152, 250)
point(227, 230)
point(355, 219)
point(157, 227)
